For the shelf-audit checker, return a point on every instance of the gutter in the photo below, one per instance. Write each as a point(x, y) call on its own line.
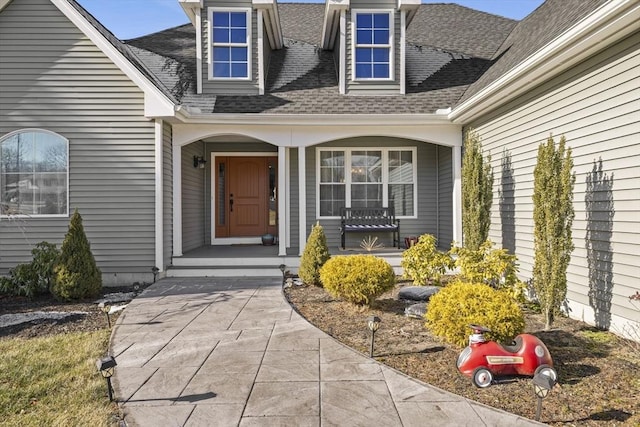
point(611, 22)
point(186, 117)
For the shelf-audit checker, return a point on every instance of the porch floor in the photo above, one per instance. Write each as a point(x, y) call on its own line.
point(256, 260)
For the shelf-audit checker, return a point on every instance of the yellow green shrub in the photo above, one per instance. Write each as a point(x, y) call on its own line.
point(423, 262)
point(358, 279)
point(489, 265)
point(455, 307)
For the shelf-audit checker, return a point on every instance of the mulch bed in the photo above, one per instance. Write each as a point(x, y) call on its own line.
point(598, 383)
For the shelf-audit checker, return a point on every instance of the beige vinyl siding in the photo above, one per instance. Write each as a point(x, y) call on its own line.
point(596, 106)
point(445, 198)
point(193, 198)
point(53, 77)
point(427, 192)
point(391, 87)
point(229, 87)
point(167, 187)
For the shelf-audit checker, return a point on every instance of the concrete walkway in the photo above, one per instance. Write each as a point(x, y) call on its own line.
point(232, 352)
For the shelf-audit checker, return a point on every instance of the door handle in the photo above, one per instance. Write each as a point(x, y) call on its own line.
point(231, 202)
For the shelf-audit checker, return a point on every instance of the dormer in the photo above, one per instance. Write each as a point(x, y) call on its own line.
point(234, 41)
point(368, 39)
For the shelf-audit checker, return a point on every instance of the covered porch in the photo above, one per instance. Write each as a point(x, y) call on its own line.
point(296, 150)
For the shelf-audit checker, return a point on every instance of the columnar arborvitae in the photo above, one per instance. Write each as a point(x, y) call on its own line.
point(552, 216)
point(315, 254)
point(76, 273)
point(477, 192)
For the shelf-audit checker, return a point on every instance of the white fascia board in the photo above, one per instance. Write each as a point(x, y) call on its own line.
point(331, 23)
point(4, 3)
point(606, 25)
point(156, 102)
point(189, 7)
point(313, 119)
point(271, 21)
point(410, 7)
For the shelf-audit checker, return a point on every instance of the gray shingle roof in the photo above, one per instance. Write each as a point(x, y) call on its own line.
point(442, 61)
point(540, 27)
point(452, 53)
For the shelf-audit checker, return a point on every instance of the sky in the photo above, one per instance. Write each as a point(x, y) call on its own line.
point(133, 18)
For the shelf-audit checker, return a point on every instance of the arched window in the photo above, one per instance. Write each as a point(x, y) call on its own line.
point(34, 173)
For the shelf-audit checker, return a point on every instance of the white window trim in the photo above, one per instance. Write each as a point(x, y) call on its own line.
point(391, 45)
point(385, 176)
point(247, 44)
point(64, 215)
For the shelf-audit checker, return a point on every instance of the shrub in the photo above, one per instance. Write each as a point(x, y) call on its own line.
point(494, 267)
point(454, 308)
point(477, 193)
point(35, 277)
point(423, 262)
point(553, 215)
point(76, 274)
point(315, 254)
point(358, 279)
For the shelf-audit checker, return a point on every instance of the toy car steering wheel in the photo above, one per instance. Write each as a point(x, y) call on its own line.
point(479, 329)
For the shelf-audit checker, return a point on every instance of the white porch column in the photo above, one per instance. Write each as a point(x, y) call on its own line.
point(302, 198)
point(177, 200)
point(282, 198)
point(456, 158)
point(159, 176)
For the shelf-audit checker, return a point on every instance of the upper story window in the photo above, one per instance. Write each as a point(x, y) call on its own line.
point(34, 174)
point(373, 45)
point(230, 43)
point(360, 177)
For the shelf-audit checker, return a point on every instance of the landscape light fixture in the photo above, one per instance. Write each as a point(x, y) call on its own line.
point(106, 309)
point(373, 323)
point(542, 385)
point(282, 268)
point(199, 162)
point(107, 366)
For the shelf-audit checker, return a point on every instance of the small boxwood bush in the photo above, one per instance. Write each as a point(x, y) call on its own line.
point(315, 254)
point(423, 262)
point(358, 279)
point(454, 308)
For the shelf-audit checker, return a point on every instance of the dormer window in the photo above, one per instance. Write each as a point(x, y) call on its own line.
point(373, 45)
point(230, 43)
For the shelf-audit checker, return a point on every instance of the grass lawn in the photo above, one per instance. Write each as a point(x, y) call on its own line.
point(53, 381)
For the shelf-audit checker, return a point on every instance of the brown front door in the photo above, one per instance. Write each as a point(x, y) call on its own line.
point(245, 195)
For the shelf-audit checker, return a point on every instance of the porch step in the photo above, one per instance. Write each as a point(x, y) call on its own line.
point(226, 271)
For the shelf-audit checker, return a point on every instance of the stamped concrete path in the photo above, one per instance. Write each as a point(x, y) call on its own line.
point(232, 352)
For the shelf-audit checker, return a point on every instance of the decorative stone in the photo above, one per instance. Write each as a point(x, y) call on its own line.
point(418, 293)
point(116, 297)
point(416, 311)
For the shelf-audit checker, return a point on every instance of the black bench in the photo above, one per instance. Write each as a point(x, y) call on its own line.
point(369, 220)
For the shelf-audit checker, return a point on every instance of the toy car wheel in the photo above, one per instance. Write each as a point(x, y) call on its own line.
point(482, 377)
point(548, 371)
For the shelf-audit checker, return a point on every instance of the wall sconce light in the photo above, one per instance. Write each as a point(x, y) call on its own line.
point(373, 323)
point(107, 366)
point(199, 162)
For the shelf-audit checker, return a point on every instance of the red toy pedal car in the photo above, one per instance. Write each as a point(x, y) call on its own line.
point(482, 360)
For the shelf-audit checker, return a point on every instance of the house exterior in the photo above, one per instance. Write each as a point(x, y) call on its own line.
point(264, 118)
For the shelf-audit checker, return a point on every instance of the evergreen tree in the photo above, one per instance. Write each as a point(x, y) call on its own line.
point(477, 192)
point(552, 216)
point(76, 273)
point(316, 253)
